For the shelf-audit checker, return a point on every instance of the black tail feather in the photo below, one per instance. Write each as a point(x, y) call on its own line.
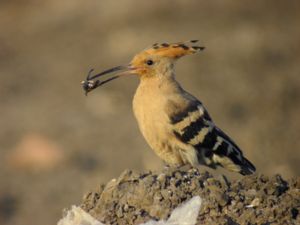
point(247, 167)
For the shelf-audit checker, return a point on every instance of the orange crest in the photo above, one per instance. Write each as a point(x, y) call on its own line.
point(174, 50)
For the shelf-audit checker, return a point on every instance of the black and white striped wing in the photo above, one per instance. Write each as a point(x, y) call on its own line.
point(194, 126)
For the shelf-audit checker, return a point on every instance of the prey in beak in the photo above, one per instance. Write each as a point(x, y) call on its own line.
point(91, 83)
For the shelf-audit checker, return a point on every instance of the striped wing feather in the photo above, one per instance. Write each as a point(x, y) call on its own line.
point(193, 126)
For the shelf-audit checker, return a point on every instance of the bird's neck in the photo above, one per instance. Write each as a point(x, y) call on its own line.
point(164, 84)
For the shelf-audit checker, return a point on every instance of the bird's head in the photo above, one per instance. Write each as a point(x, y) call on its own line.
point(154, 61)
point(160, 58)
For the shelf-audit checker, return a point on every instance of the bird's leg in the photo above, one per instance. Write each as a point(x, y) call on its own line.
point(226, 181)
point(166, 166)
point(178, 167)
point(185, 167)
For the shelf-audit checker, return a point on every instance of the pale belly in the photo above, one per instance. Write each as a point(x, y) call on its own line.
point(155, 127)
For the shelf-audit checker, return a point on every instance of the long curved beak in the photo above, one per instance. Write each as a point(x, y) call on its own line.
point(90, 83)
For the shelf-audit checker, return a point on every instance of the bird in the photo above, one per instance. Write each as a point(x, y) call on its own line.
point(174, 123)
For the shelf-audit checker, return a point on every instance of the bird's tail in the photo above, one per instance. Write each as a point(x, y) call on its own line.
point(227, 154)
point(247, 167)
point(234, 163)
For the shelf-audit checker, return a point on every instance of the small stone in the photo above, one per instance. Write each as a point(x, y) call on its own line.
point(254, 203)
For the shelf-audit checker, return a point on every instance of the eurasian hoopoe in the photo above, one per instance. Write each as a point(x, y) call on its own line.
point(174, 123)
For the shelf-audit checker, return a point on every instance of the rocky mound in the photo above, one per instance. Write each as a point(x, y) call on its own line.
point(134, 198)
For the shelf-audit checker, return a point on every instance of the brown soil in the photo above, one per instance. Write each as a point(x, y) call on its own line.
point(134, 198)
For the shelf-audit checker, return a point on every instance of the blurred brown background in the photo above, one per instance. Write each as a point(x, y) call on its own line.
point(56, 143)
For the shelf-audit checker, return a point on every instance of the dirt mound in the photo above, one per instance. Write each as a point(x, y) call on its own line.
point(134, 198)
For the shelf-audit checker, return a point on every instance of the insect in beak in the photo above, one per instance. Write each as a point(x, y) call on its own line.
point(90, 83)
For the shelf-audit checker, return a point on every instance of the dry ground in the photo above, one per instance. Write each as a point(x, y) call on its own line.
point(135, 198)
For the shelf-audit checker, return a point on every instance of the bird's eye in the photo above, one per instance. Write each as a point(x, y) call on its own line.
point(149, 62)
